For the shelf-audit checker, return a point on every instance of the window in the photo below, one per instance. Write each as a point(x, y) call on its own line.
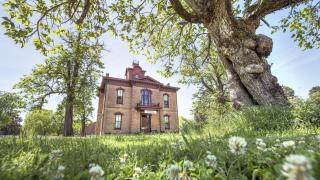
point(145, 97)
point(118, 121)
point(120, 96)
point(166, 122)
point(136, 76)
point(166, 100)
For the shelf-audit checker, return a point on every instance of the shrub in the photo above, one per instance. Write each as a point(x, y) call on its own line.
point(42, 122)
point(264, 118)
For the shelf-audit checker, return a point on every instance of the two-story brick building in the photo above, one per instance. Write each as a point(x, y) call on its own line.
point(136, 104)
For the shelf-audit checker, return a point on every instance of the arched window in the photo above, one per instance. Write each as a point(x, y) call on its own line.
point(146, 97)
point(166, 100)
point(166, 119)
point(120, 96)
point(118, 120)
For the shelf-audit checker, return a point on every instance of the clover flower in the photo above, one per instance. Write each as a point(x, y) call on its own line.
point(96, 172)
point(237, 145)
point(123, 159)
point(55, 154)
point(261, 145)
point(211, 160)
point(173, 172)
point(187, 164)
point(137, 171)
point(60, 172)
point(287, 144)
point(296, 167)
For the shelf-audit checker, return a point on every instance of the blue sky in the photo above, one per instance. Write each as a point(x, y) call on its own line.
point(292, 66)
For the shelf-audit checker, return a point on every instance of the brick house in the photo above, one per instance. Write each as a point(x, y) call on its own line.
point(136, 104)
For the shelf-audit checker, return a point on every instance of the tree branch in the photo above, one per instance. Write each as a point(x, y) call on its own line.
point(183, 13)
point(262, 8)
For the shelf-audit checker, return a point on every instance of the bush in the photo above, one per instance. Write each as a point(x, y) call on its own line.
point(42, 122)
point(269, 118)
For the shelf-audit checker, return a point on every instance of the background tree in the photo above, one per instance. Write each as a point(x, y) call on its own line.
point(10, 107)
point(62, 74)
point(40, 122)
point(288, 91)
point(177, 29)
point(311, 112)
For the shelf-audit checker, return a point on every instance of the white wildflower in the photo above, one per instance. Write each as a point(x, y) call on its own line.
point(55, 154)
point(261, 145)
point(211, 160)
point(187, 164)
point(173, 172)
point(137, 171)
point(96, 172)
point(296, 167)
point(123, 159)
point(311, 151)
point(60, 172)
point(277, 140)
point(237, 145)
point(301, 142)
point(287, 144)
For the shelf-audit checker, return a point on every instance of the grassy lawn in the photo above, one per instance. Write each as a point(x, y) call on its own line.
point(194, 155)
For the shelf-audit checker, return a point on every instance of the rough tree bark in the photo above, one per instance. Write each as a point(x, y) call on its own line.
point(68, 118)
point(83, 124)
point(72, 77)
point(242, 52)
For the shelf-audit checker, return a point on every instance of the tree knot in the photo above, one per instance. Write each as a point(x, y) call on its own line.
point(264, 45)
point(254, 69)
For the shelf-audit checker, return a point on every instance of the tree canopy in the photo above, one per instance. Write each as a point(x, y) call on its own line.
point(177, 32)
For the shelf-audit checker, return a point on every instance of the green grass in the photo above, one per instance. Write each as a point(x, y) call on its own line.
point(33, 158)
point(192, 154)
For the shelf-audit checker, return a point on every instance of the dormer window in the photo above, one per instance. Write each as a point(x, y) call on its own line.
point(136, 76)
point(120, 96)
point(166, 100)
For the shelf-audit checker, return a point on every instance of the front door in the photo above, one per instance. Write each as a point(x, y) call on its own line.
point(146, 123)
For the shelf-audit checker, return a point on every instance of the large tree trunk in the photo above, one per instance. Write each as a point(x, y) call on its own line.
point(244, 54)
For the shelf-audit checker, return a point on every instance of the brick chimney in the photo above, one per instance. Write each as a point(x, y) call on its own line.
point(135, 72)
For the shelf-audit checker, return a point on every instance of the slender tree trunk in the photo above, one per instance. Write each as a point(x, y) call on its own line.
point(83, 125)
point(68, 118)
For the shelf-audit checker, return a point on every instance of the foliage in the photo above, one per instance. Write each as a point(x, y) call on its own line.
point(47, 22)
point(153, 28)
point(303, 23)
point(13, 127)
point(207, 105)
point(289, 92)
point(10, 107)
point(310, 110)
point(71, 73)
point(42, 122)
point(268, 118)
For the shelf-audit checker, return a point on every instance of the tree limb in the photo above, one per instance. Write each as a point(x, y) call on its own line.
point(183, 13)
point(262, 8)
